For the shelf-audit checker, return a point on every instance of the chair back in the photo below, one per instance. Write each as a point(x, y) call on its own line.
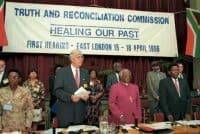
point(159, 117)
point(197, 115)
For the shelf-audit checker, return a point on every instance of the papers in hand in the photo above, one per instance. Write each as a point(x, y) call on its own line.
point(81, 92)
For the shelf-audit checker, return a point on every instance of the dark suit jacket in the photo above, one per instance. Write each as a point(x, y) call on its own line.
point(170, 102)
point(2, 82)
point(51, 90)
point(65, 86)
point(111, 79)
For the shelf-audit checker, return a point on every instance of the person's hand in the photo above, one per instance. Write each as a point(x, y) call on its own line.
point(158, 98)
point(27, 130)
point(93, 98)
point(75, 98)
point(170, 118)
point(85, 97)
point(122, 119)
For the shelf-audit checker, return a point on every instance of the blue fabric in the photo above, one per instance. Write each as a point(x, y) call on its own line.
point(54, 108)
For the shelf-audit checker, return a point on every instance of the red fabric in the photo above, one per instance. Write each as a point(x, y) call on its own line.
point(3, 39)
point(124, 100)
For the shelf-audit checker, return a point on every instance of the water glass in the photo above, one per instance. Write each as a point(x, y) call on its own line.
point(103, 125)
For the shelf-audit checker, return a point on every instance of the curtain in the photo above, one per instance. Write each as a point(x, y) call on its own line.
point(139, 66)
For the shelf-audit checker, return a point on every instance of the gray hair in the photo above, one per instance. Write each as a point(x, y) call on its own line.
point(123, 71)
point(75, 52)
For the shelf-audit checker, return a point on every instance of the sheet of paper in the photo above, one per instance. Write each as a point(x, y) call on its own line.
point(82, 91)
point(191, 122)
point(156, 126)
point(76, 128)
point(127, 126)
point(161, 125)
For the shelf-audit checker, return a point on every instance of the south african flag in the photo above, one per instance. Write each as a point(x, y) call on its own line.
point(193, 33)
point(3, 39)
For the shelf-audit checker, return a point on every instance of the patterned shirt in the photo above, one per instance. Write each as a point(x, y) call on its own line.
point(21, 114)
point(37, 91)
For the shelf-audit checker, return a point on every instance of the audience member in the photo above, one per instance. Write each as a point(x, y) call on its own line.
point(96, 89)
point(17, 105)
point(3, 74)
point(152, 80)
point(51, 90)
point(114, 77)
point(181, 73)
point(36, 87)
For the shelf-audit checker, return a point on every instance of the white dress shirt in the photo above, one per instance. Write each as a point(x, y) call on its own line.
point(1, 76)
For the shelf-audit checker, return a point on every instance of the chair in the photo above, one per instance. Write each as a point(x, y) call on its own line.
point(159, 117)
point(145, 110)
point(197, 115)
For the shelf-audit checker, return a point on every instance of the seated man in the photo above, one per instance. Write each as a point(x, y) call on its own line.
point(124, 100)
point(17, 105)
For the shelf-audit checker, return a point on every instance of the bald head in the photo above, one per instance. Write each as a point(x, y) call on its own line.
point(125, 75)
point(76, 58)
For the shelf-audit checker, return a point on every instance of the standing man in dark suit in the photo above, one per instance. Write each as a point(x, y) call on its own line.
point(114, 77)
point(3, 74)
point(153, 79)
point(175, 97)
point(71, 108)
point(181, 73)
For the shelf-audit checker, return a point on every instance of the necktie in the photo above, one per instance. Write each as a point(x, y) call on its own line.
point(77, 78)
point(177, 87)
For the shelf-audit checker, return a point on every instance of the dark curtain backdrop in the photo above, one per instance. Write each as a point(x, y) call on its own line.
point(139, 66)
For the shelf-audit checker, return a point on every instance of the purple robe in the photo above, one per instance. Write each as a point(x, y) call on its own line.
point(124, 100)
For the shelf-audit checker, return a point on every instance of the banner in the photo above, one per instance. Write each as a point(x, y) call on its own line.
point(57, 29)
point(193, 33)
point(3, 40)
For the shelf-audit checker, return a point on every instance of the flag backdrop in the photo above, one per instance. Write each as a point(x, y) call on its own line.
point(193, 33)
point(3, 40)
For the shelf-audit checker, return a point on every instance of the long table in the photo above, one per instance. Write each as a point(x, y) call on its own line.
point(175, 130)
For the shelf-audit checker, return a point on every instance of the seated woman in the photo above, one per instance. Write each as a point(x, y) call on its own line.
point(38, 93)
point(97, 91)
